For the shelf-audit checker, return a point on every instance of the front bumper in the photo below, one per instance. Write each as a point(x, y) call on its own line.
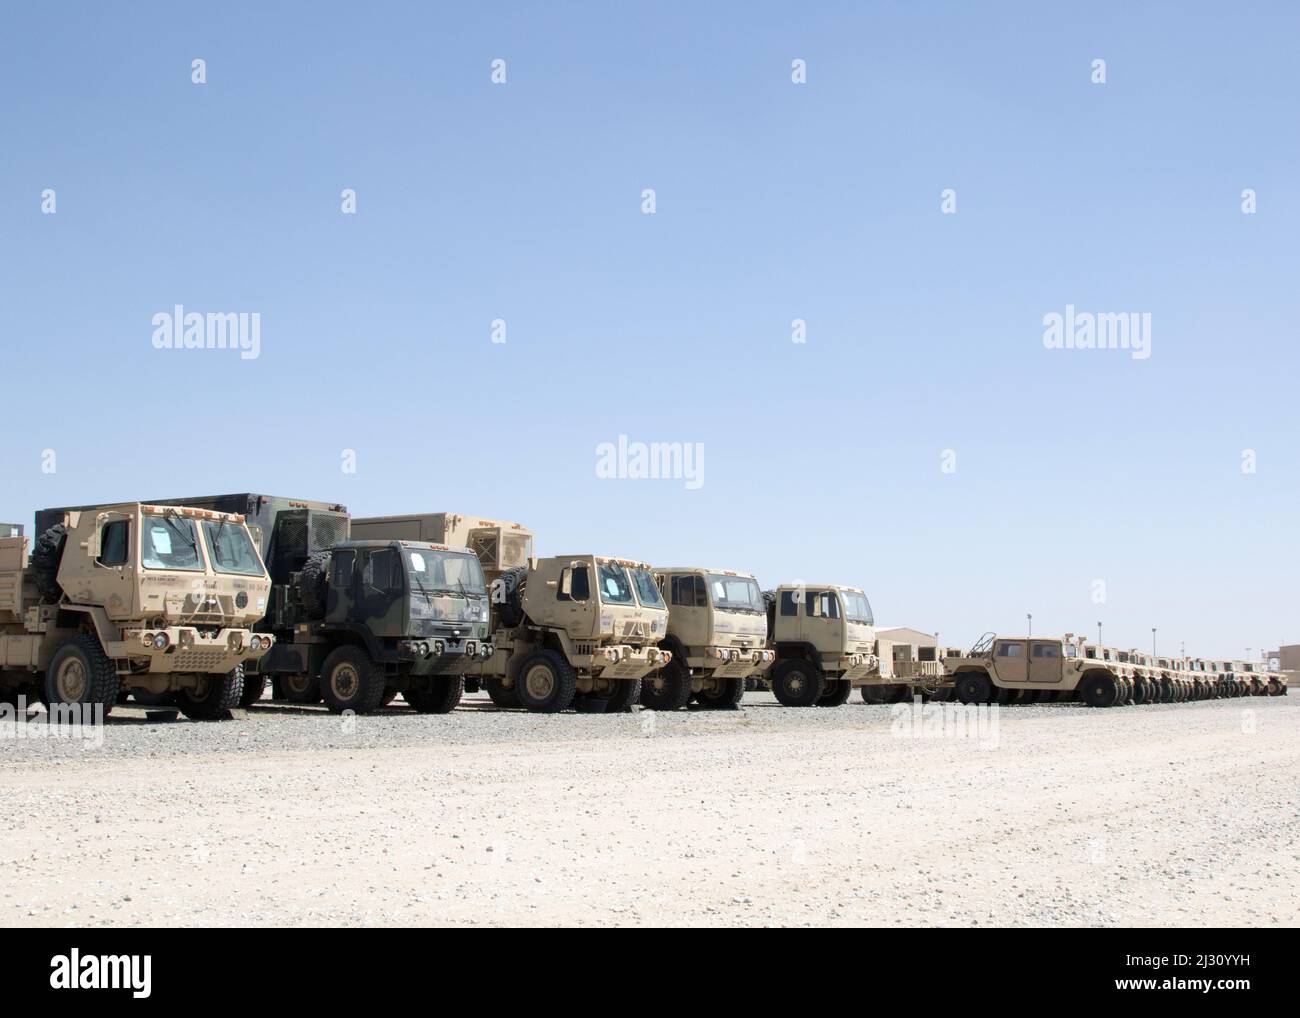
point(734, 663)
point(443, 655)
point(857, 669)
point(184, 649)
point(627, 662)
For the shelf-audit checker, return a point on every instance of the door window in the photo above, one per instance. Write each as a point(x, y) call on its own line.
point(115, 543)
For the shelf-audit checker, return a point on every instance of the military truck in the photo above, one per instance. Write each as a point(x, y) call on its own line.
point(717, 635)
point(360, 621)
point(906, 670)
point(153, 598)
point(823, 636)
point(568, 631)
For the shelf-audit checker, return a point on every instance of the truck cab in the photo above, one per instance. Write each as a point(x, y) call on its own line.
point(824, 639)
point(717, 633)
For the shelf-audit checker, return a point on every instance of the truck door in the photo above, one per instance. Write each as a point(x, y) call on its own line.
point(342, 587)
point(573, 601)
point(1044, 661)
point(823, 622)
point(114, 563)
point(380, 592)
point(1010, 660)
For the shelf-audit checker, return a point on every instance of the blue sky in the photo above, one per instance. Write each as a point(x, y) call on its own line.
point(774, 201)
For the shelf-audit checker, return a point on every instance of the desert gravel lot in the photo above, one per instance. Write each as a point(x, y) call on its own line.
point(1181, 814)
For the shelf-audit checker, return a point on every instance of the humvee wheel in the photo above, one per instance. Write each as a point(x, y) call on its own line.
point(80, 672)
point(1166, 691)
point(1006, 697)
point(212, 696)
point(1139, 690)
point(501, 696)
point(1100, 691)
point(720, 694)
point(300, 688)
point(973, 687)
point(797, 683)
point(546, 683)
point(667, 689)
point(436, 694)
point(1029, 696)
point(349, 680)
point(836, 693)
point(254, 687)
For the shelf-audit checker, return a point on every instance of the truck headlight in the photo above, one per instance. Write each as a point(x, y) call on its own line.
point(255, 644)
point(160, 641)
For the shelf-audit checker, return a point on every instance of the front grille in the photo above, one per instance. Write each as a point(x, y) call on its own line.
point(206, 661)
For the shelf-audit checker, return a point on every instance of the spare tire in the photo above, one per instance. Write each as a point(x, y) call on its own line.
point(44, 562)
point(312, 584)
point(508, 596)
point(769, 603)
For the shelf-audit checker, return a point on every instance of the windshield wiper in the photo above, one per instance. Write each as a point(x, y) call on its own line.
point(167, 518)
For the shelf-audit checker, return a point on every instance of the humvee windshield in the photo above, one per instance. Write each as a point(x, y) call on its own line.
point(736, 593)
point(856, 607)
point(614, 585)
point(442, 572)
point(230, 549)
point(647, 591)
point(170, 542)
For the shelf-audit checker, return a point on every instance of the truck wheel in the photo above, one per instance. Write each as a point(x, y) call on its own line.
point(721, 694)
point(300, 688)
point(874, 693)
point(438, 695)
point(798, 683)
point(501, 696)
point(1166, 691)
point(254, 687)
point(349, 680)
point(80, 672)
point(973, 687)
point(622, 695)
point(44, 561)
point(312, 590)
point(1100, 691)
point(667, 689)
point(836, 693)
point(213, 696)
point(546, 683)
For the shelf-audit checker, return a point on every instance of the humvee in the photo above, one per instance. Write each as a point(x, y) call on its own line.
point(824, 639)
point(1003, 668)
point(152, 598)
point(360, 621)
point(717, 634)
point(575, 630)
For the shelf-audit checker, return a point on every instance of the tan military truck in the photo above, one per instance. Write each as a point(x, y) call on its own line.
point(824, 639)
point(132, 596)
point(1010, 665)
point(717, 635)
point(905, 670)
point(567, 631)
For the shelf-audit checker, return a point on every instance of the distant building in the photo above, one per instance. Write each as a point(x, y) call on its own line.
point(1286, 658)
point(903, 634)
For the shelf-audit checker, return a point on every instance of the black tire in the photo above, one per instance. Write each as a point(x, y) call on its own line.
point(435, 694)
point(212, 699)
point(836, 693)
point(147, 699)
point(300, 688)
point(501, 696)
point(508, 596)
point(254, 687)
point(620, 698)
point(1166, 691)
point(669, 688)
point(875, 693)
point(313, 590)
point(721, 694)
point(349, 680)
point(973, 687)
point(546, 683)
point(798, 683)
point(80, 672)
point(44, 562)
point(1100, 690)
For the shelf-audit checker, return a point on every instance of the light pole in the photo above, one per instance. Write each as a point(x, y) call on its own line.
point(1098, 634)
point(1153, 642)
point(1030, 617)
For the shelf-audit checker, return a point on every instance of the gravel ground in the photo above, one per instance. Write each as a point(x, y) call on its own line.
point(1181, 814)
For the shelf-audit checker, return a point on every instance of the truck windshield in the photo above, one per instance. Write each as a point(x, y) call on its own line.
point(444, 572)
point(647, 591)
point(230, 549)
point(614, 585)
point(856, 607)
point(170, 542)
point(737, 593)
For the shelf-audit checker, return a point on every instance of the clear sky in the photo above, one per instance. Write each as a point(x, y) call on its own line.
point(774, 201)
